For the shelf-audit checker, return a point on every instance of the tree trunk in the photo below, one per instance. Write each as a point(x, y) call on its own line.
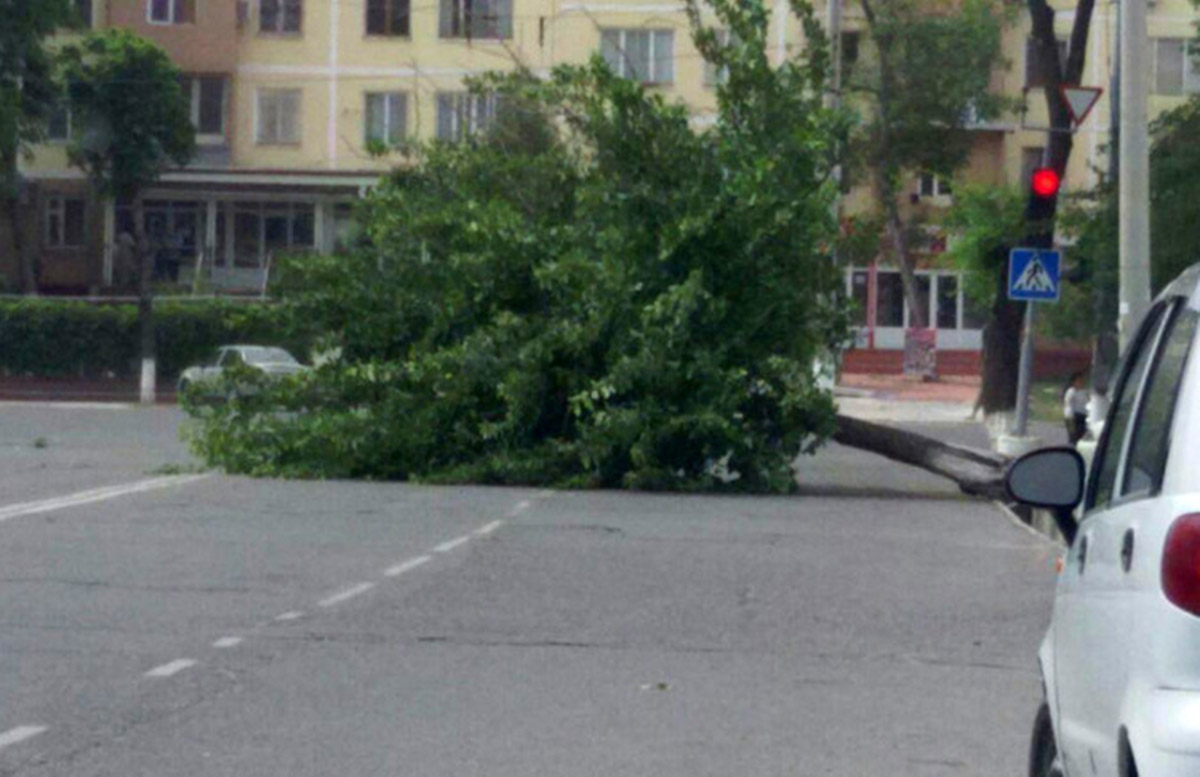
point(12, 212)
point(149, 368)
point(1002, 335)
point(977, 473)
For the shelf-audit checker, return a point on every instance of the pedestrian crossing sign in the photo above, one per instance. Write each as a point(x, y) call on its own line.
point(1034, 275)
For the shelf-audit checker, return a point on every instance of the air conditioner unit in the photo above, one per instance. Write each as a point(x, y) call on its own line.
point(243, 13)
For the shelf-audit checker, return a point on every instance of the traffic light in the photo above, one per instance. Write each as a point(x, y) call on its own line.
point(1045, 182)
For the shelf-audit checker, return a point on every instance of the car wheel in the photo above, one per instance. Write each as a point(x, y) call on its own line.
point(1043, 750)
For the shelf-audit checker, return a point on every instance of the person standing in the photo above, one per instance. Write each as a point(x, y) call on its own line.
point(1075, 408)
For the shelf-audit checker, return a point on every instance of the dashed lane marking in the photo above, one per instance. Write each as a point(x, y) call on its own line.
point(405, 566)
point(173, 668)
point(19, 734)
point(289, 616)
point(483, 531)
point(349, 593)
point(95, 495)
point(450, 545)
point(227, 642)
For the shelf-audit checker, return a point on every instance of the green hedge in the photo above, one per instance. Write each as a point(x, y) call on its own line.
point(48, 337)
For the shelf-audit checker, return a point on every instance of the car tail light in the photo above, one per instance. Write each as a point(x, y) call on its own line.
point(1181, 564)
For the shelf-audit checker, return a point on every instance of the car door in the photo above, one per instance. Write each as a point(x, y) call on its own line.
point(1098, 639)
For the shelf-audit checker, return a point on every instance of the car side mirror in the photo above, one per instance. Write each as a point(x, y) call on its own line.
point(1051, 478)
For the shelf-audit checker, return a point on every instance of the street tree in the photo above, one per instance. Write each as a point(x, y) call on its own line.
point(920, 82)
point(1002, 334)
point(133, 124)
point(606, 297)
point(28, 95)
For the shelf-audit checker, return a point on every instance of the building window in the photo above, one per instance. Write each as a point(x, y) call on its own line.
point(934, 186)
point(860, 281)
point(1174, 69)
point(280, 16)
point(889, 300)
point(647, 56)
point(1034, 78)
point(58, 125)
point(83, 13)
point(171, 11)
point(263, 229)
point(65, 222)
point(923, 299)
point(849, 52)
point(206, 98)
point(714, 75)
point(387, 117)
point(475, 19)
point(278, 121)
point(462, 114)
point(947, 302)
point(388, 17)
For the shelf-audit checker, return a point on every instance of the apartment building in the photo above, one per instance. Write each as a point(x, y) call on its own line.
point(289, 95)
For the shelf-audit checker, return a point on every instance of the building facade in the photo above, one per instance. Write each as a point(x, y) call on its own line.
point(294, 99)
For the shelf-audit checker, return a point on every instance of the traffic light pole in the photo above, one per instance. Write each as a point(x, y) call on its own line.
point(1134, 181)
point(1025, 374)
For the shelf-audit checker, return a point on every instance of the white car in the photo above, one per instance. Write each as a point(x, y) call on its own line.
point(1121, 661)
point(271, 361)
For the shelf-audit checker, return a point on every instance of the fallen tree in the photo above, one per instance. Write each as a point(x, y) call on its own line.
point(977, 472)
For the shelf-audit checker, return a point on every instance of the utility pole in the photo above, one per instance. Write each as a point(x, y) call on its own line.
point(1134, 182)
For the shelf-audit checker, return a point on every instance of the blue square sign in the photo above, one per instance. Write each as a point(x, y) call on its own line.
point(1034, 275)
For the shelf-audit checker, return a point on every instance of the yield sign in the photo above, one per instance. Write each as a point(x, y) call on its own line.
point(1080, 100)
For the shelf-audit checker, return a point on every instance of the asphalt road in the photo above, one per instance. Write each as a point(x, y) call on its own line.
point(226, 626)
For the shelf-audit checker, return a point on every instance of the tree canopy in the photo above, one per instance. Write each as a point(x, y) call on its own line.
point(594, 292)
point(133, 119)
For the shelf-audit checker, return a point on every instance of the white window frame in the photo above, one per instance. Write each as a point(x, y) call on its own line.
point(194, 89)
point(466, 105)
point(388, 98)
point(262, 210)
point(652, 78)
point(279, 29)
point(56, 208)
point(275, 140)
point(1189, 78)
point(715, 76)
point(931, 185)
point(172, 12)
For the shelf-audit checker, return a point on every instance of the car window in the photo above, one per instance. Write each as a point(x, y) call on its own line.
point(265, 355)
point(1108, 456)
point(231, 357)
point(1151, 434)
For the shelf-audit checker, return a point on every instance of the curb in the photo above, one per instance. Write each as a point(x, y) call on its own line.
point(1042, 525)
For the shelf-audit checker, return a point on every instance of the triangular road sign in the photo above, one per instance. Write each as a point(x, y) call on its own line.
point(1080, 100)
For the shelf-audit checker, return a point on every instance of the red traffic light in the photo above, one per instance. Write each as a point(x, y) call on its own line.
point(1045, 182)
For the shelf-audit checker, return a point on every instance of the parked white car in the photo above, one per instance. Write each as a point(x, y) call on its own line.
point(271, 361)
point(1121, 661)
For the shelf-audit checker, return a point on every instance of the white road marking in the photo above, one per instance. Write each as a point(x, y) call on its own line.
point(450, 545)
point(349, 593)
point(95, 495)
point(546, 493)
point(405, 566)
point(51, 404)
point(227, 642)
point(519, 508)
point(19, 734)
point(483, 531)
point(289, 616)
point(173, 668)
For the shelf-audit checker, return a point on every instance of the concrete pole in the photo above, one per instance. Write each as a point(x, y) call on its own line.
point(1134, 189)
point(1025, 374)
